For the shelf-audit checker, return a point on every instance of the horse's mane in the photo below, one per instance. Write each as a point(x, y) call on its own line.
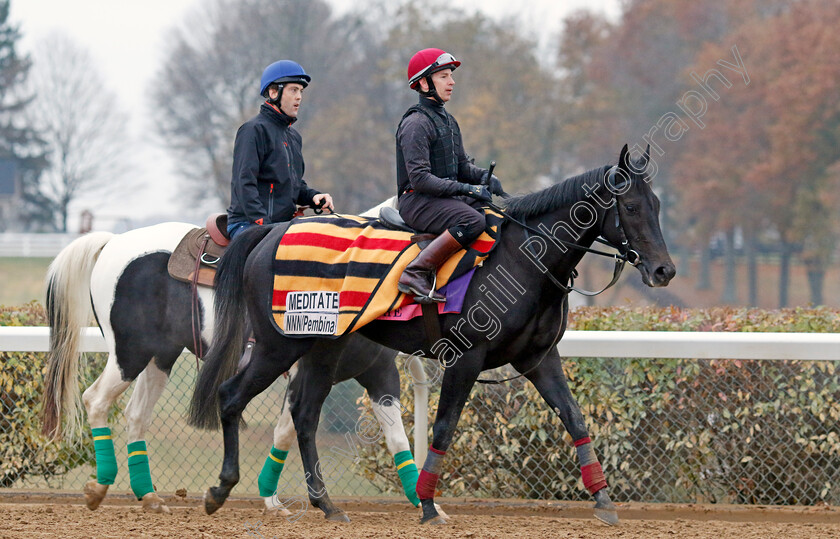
point(557, 196)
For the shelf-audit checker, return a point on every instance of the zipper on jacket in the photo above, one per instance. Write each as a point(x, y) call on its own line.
point(270, 201)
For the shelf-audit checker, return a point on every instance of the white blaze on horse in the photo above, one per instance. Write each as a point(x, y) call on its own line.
point(146, 317)
point(509, 316)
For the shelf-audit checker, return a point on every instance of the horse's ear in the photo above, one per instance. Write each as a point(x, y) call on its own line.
point(645, 159)
point(624, 158)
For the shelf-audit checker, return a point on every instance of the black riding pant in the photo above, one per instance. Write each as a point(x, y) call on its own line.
point(462, 216)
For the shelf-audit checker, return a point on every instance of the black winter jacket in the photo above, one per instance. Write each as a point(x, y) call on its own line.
point(415, 137)
point(267, 181)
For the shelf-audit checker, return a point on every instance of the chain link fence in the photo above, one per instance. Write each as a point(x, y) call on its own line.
point(680, 431)
point(726, 431)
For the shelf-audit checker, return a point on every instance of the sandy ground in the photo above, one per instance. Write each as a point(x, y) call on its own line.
point(65, 516)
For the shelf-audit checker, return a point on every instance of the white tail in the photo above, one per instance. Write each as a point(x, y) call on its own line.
point(68, 309)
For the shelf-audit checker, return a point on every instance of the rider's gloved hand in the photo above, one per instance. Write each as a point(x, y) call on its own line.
point(494, 185)
point(478, 192)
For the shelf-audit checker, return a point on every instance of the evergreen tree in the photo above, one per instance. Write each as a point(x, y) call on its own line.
point(20, 145)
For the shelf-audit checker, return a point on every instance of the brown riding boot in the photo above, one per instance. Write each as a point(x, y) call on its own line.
point(419, 276)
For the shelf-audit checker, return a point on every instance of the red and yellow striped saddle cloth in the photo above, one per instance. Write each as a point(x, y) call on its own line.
point(335, 273)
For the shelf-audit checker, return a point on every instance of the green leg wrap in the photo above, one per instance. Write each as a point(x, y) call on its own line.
point(138, 469)
point(407, 470)
point(106, 460)
point(270, 474)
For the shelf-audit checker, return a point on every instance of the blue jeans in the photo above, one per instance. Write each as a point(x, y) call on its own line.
point(236, 228)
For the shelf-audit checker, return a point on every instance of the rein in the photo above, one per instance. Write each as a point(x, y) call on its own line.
point(621, 258)
point(628, 255)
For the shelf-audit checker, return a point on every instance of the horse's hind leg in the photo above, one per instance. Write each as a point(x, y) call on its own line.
point(138, 413)
point(268, 361)
point(98, 399)
point(284, 436)
point(382, 382)
point(315, 381)
point(550, 381)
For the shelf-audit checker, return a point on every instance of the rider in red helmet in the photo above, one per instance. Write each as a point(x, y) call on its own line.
point(439, 189)
point(267, 182)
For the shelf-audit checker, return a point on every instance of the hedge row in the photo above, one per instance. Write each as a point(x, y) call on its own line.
point(23, 450)
point(665, 430)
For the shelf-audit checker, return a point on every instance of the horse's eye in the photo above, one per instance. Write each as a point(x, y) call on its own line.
point(631, 208)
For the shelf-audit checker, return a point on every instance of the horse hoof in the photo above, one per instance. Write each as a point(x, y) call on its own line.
point(606, 516)
point(276, 512)
point(605, 508)
point(339, 516)
point(436, 520)
point(271, 510)
point(153, 504)
point(94, 494)
point(211, 503)
point(441, 512)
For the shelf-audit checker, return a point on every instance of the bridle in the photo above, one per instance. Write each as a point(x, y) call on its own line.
point(624, 255)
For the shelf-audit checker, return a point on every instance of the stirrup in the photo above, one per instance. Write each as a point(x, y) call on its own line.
point(424, 299)
point(419, 296)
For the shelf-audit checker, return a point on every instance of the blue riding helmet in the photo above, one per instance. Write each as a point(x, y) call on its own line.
point(283, 71)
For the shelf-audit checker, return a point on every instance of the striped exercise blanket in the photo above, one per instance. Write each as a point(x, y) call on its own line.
point(335, 273)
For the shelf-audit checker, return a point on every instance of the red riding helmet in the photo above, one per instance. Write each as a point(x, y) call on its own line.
point(429, 61)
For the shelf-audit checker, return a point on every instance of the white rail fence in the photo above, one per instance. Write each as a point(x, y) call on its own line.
point(610, 344)
point(33, 245)
point(616, 344)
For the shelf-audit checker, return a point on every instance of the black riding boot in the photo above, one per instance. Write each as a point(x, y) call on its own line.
point(418, 277)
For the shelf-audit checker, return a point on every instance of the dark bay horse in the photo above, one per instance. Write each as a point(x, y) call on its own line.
point(514, 312)
point(145, 317)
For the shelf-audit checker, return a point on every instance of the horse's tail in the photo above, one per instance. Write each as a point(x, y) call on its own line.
point(229, 336)
point(68, 310)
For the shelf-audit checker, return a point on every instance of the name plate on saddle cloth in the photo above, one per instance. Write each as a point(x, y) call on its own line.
point(311, 313)
point(335, 273)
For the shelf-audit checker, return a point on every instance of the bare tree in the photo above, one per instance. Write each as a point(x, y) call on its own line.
point(209, 83)
point(208, 87)
point(80, 121)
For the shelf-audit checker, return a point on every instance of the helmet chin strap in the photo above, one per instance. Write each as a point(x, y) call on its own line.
point(276, 100)
point(432, 92)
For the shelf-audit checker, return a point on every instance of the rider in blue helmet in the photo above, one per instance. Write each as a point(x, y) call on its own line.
point(267, 182)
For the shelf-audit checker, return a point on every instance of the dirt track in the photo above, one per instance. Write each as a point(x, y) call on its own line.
point(65, 516)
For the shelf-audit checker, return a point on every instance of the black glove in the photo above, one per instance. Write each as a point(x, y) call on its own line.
point(494, 185)
point(478, 192)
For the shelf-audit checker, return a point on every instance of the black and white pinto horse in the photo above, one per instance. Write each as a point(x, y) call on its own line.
point(514, 313)
point(145, 317)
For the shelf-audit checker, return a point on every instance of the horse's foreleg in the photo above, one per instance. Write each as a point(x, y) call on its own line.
point(307, 399)
point(98, 399)
point(138, 413)
point(266, 365)
point(550, 381)
point(455, 389)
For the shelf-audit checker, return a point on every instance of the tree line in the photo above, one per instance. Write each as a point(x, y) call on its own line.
point(738, 101)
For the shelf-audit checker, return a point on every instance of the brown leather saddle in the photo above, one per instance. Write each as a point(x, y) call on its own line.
point(195, 258)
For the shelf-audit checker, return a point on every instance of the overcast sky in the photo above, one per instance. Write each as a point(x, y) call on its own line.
point(125, 39)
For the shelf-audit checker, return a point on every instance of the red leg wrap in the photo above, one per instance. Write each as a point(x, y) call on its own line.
point(426, 484)
point(593, 477)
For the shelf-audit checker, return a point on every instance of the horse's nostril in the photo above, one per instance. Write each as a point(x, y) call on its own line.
point(665, 272)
